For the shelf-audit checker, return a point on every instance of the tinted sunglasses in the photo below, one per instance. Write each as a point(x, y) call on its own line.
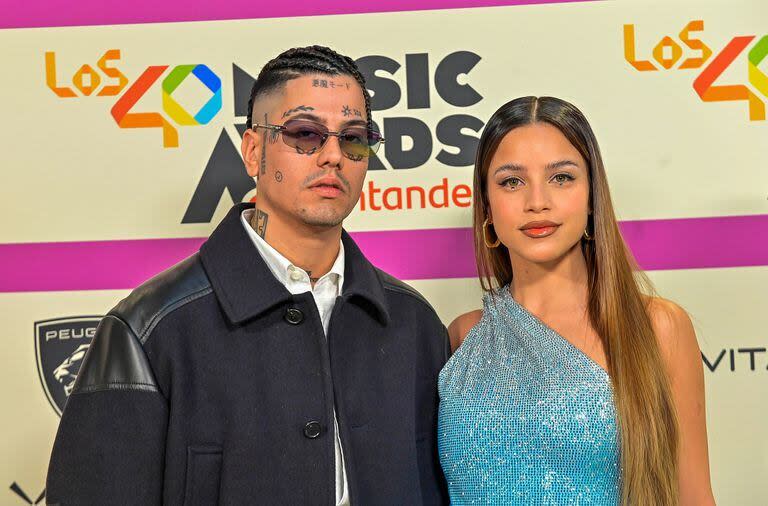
point(307, 137)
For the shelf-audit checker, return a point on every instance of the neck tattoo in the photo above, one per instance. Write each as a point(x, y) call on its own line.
point(259, 223)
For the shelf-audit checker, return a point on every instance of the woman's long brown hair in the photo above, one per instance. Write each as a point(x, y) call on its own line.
point(617, 306)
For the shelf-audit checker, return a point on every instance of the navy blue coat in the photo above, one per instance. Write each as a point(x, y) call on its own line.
point(212, 384)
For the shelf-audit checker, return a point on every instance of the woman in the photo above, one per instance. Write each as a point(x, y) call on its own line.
point(573, 385)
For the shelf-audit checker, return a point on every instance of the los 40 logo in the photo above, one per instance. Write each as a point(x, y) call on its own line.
point(668, 52)
point(86, 80)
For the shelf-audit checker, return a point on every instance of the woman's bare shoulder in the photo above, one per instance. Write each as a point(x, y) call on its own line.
point(674, 331)
point(460, 327)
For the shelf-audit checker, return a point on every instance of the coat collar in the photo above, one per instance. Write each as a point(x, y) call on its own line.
point(245, 286)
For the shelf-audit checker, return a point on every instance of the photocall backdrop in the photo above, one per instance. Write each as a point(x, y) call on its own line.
point(120, 153)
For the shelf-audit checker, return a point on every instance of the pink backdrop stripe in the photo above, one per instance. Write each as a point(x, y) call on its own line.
point(689, 243)
point(26, 14)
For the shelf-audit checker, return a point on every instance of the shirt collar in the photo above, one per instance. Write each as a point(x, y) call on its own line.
point(280, 266)
point(245, 287)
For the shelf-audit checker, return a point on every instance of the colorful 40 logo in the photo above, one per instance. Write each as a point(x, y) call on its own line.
point(668, 52)
point(86, 80)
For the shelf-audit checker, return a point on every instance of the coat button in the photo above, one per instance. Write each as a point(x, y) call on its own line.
point(294, 316)
point(312, 429)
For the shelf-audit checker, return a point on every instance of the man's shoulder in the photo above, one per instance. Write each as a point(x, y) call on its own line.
point(159, 296)
point(392, 284)
point(115, 360)
point(417, 311)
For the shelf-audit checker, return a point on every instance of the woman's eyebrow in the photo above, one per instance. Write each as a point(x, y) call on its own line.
point(561, 163)
point(513, 167)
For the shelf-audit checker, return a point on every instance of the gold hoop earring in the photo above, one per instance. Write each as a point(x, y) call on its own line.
point(489, 245)
point(587, 237)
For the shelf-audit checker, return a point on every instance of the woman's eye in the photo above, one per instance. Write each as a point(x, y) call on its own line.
point(561, 179)
point(512, 182)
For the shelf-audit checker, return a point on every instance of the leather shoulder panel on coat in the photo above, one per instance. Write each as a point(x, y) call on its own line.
point(143, 309)
point(115, 361)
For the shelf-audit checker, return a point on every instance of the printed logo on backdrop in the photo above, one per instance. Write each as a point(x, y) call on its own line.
point(109, 81)
point(747, 359)
point(21, 495)
point(60, 346)
point(744, 53)
point(411, 143)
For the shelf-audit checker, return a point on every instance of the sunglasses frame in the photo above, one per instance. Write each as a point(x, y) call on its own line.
point(326, 135)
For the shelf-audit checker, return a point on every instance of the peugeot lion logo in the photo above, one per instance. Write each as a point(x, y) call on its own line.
point(60, 346)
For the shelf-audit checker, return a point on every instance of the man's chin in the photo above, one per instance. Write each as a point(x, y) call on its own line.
point(324, 218)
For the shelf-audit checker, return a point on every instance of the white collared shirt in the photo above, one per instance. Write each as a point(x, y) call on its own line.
point(326, 289)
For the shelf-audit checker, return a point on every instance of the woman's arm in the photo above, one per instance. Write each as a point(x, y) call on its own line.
point(682, 355)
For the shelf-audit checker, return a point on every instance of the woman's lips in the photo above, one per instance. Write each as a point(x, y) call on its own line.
point(538, 232)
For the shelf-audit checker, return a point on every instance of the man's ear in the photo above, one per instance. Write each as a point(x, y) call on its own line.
point(250, 148)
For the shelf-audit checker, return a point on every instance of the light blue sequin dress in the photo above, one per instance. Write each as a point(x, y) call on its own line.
point(525, 417)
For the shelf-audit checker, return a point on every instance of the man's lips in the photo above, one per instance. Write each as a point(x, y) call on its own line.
point(327, 187)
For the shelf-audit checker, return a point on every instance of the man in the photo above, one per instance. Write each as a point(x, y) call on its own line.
point(276, 365)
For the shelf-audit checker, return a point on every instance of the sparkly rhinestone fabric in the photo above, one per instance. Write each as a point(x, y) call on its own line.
point(525, 417)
